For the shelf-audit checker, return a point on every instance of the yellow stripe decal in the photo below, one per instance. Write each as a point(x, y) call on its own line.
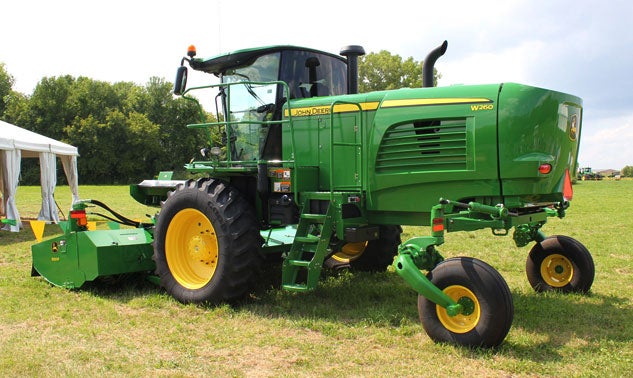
point(345, 108)
point(325, 109)
point(434, 101)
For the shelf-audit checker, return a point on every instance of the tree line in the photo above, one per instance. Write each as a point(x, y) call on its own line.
point(124, 132)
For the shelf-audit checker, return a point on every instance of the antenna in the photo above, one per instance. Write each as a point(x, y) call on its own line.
point(219, 27)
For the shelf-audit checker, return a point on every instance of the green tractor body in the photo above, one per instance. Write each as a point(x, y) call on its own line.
point(417, 145)
point(303, 167)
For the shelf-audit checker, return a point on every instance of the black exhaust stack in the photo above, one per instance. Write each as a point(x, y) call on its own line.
point(429, 64)
point(352, 53)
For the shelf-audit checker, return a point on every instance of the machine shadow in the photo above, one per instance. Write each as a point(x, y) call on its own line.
point(550, 320)
point(544, 323)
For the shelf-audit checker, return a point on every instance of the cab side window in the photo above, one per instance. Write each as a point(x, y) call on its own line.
point(311, 74)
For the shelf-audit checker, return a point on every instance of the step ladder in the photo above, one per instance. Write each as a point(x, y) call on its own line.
point(302, 267)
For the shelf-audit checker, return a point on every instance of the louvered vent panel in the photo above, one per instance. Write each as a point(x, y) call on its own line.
point(430, 145)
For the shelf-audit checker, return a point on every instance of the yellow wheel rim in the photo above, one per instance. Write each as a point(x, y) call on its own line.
point(468, 319)
point(557, 270)
point(191, 248)
point(350, 252)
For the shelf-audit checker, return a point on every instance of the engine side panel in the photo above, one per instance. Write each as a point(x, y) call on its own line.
point(433, 142)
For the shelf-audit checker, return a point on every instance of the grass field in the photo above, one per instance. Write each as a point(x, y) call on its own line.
point(353, 325)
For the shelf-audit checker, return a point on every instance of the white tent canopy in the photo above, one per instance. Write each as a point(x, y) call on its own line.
point(16, 143)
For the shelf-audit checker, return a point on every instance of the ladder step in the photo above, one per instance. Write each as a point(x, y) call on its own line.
point(307, 239)
point(295, 287)
point(314, 217)
point(299, 263)
point(303, 263)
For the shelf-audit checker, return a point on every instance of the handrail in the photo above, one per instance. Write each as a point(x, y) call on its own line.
point(356, 144)
point(209, 124)
point(241, 163)
point(228, 122)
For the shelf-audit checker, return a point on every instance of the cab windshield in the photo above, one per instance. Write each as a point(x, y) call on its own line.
point(249, 101)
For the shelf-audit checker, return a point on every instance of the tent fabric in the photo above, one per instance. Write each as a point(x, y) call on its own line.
point(11, 173)
point(1, 183)
point(16, 138)
point(48, 179)
point(70, 169)
point(17, 143)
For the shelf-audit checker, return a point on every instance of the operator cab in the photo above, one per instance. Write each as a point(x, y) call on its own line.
point(249, 95)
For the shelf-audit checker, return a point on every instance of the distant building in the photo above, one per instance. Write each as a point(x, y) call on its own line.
point(608, 172)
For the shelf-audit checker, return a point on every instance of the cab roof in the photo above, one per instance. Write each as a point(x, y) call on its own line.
point(240, 58)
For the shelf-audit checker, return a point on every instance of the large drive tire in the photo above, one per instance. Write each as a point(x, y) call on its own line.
point(371, 256)
point(560, 263)
point(486, 299)
point(207, 243)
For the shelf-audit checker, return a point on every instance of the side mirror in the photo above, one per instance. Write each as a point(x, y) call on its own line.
point(180, 84)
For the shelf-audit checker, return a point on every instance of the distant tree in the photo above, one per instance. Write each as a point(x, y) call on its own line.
point(120, 149)
point(16, 108)
point(384, 71)
point(124, 132)
point(6, 85)
point(177, 143)
point(48, 110)
point(627, 171)
point(88, 97)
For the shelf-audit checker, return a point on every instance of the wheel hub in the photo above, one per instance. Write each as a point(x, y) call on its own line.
point(557, 270)
point(468, 305)
point(198, 249)
point(470, 313)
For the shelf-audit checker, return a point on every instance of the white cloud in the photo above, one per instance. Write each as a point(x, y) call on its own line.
point(508, 65)
point(608, 143)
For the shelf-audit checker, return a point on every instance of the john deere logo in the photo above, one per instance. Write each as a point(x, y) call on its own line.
point(573, 127)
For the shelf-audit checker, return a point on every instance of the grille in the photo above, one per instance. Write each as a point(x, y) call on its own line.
point(421, 146)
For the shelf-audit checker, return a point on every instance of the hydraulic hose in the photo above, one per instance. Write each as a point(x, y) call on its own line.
point(123, 220)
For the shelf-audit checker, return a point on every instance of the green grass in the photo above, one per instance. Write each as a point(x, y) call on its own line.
point(353, 325)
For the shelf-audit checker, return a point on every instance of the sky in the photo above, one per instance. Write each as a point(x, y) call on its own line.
point(581, 47)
